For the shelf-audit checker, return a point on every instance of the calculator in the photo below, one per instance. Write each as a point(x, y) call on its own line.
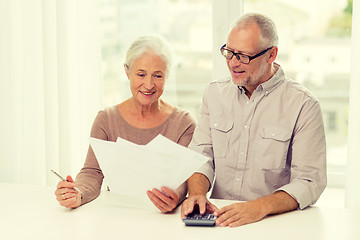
point(197, 219)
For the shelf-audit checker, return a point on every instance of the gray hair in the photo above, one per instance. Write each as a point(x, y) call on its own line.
point(269, 36)
point(154, 44)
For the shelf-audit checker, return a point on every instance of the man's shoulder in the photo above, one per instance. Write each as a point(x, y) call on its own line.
point(223, 80)
point(221, 84)
point(295, 88)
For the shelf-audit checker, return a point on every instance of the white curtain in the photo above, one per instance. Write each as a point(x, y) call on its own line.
point(50, 87)
point(352, 196)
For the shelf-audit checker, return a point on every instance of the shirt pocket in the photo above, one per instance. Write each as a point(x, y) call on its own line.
point(220, 135)
point(273, 145)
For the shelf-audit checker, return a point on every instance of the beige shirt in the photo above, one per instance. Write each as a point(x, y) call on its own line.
point(273, 141)
point(109, 125)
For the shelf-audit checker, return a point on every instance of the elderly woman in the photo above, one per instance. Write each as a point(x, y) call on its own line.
point(138, 119)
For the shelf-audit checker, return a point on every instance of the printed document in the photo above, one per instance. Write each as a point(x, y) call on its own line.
point(130, 169)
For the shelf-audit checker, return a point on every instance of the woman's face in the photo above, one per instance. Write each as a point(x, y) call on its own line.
point(147, 78)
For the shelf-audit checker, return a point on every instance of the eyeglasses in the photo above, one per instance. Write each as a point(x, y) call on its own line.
point(228, 54)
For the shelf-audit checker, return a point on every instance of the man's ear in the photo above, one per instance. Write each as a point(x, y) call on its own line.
point(273, 54)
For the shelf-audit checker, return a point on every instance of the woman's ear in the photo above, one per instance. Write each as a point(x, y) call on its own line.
point(127, 69)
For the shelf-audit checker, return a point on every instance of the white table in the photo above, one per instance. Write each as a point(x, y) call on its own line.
point(31, 212)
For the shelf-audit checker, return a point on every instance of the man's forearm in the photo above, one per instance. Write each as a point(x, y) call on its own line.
point(278, 202)
point(181, 191)
point(198, 184)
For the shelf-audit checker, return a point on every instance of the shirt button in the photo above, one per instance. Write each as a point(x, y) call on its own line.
point(247, 102)
point(266, 92)
point(245, 126)
point(273, 134)
point(238, 179)
point(215, 125)
point(242, 153)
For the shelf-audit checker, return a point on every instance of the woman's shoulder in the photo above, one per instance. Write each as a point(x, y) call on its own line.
point(107, 114)
point(111, 112)
point(182, 116)
point(106, 124)
point(181, 126)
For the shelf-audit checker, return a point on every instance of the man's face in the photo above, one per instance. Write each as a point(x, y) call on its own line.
point(245, 40)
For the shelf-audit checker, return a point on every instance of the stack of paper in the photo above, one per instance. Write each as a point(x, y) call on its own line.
point(130, 169)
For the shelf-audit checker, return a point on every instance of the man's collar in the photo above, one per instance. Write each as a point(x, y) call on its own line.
point(274, 81)
point(270, 84)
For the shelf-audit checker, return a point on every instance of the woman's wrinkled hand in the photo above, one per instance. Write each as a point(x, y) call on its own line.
point(165, 200)
point(66, 195)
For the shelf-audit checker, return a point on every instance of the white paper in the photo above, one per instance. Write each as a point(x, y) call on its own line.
point(130, 169)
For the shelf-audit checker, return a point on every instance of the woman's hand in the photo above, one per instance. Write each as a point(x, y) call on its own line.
point(66, 195)
point(165, 200)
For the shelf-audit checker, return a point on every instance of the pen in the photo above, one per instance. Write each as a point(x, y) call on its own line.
point(64, 180)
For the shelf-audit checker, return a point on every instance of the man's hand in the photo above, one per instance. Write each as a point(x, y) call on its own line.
point(239, 214)
point(204, 205)
point(242, 213)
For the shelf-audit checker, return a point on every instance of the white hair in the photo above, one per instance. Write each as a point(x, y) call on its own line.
point(155, 44)
point(269, 36)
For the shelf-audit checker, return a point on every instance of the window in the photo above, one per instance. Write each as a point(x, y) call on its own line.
point(315, 39)
point(185, 24)
point(331, 120)
point(314, 44)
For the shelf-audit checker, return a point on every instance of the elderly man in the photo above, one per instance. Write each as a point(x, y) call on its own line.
point(263, 134)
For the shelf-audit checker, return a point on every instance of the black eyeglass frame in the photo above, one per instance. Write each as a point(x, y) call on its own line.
point(237, 55)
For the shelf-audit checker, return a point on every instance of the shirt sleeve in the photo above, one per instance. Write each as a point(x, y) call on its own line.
point(308, 152)
point(202, 143)
point(90, 177)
